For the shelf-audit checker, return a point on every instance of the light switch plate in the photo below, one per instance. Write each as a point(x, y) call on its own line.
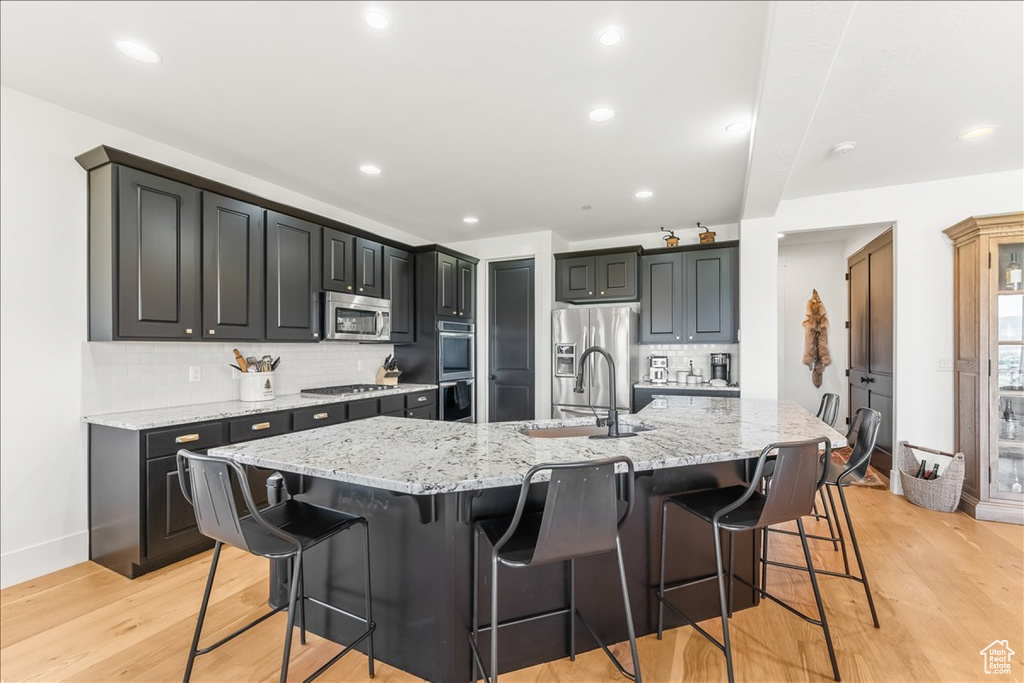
point(945, 365)
point(195, 373)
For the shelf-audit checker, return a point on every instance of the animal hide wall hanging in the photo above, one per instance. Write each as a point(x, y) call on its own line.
point(816, 353)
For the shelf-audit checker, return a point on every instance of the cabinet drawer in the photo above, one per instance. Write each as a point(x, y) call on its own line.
point(359, 410)
point(422, 413)
point(320, 416)
point(257, 427)
point(389, 404)
point(192, 437)
point(421, 398)
point(394, 413)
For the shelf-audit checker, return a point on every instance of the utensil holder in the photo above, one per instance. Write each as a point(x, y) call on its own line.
point(256, 386)
point(388, 377)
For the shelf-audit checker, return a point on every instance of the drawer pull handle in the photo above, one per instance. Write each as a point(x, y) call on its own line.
point(320, 416)
point(421, 399)
point(186, 438)
point(260, 425)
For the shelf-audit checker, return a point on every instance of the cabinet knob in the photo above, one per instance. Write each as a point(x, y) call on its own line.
point(213, 331)
point(316, 334)
point(350, 288)
point(602, 293)
point(691, 336)
point(677, 337)
point(188, 330)
point(590, 294)
point(360, 289)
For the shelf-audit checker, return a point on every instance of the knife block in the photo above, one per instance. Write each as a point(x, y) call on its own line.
point(388, 377)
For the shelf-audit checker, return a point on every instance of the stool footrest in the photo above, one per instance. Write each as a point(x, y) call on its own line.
point(339, 610)
point(366, 634)
point(240, 631)
point(714, 641)
point(781, 603)
point(833, 539)
point(689, 582)
point(523, 620)
point(841, 575)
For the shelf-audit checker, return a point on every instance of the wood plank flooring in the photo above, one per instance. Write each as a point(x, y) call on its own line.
point(945, 586)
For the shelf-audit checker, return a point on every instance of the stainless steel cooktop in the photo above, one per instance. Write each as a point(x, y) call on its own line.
point(344, 390)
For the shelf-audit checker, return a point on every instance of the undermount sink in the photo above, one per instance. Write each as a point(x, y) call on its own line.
point(579, 430)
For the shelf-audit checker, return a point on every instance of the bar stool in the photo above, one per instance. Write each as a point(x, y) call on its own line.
point(281, 532)
point(580, 517)
point(863, 435)
point(800, 469)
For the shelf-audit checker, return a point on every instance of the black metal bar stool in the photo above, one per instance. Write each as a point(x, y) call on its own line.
point(800, 468)
point(279, 532)
point(580, 517)
point(862, 436)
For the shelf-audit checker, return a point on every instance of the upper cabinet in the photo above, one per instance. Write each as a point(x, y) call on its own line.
point(232, 269)
point(447, 284)
point(293, 278)
point(663, 305)
point(466, 289)
point(339, 266)
point(369, 268)
point(596, 277)
point(399, 284)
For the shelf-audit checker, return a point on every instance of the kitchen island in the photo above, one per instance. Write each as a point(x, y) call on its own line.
point(423, 484)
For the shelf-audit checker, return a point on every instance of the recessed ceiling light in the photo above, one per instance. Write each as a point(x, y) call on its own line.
point(370, 170)
point(737, 127)
point(601, 114)
point(781, 235)
point(643, 194)
point(471, 220)
point(138, 52)
point(975, 133)
point(610, 37)
point(844, 148)
point(378, 20)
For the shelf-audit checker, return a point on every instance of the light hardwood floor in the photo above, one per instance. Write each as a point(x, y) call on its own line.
point(945, 586)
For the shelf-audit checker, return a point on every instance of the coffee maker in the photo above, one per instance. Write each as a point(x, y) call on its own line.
point(659, 369)
point(720, 367)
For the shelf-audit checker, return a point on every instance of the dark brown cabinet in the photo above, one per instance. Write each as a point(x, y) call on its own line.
point(466, 289)
point(575, 278)
point(293, 278)
point(399, 288)
point(157, 238)
point(339, 261)
point(447, 284)
point(596, 277)
point(616, 277)
point(711, 295)
point(232, 282)
point(369, 268)
point(662, 306)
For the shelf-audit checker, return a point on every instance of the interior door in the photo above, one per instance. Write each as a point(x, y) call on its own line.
point(510, 327)
point(870, 274)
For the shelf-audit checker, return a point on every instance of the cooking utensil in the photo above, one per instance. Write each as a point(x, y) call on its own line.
point(242, 365)
point(273, 366)
point(232, 365)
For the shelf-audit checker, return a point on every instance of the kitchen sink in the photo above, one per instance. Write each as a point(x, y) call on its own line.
point(580, 430)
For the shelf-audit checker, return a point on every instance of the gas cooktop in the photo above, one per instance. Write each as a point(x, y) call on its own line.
point(344, 390)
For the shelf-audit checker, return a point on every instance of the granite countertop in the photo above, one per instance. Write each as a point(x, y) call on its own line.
point(680, 385)
point(428, 457)
point(203, 412)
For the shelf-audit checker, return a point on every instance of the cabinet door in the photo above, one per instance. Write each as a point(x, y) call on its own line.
point(711, 290)
point(293, 278)
point(467, 289)
point(616, 277)
point(575, 278)
point(398, 287)
point(339, 261)
point(447, 284)
point(158, 257)
point(661, 309)
point(232, 285)
point(369, 268)
point(170, 519)
point(424, 413)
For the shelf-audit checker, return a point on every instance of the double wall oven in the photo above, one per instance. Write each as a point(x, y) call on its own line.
point(456, 370)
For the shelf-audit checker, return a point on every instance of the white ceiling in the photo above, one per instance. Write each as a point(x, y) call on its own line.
point(480, 108)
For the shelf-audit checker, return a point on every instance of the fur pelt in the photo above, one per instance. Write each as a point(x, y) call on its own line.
point(816, 352)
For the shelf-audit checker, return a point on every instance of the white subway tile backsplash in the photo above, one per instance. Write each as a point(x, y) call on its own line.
point(679, 356)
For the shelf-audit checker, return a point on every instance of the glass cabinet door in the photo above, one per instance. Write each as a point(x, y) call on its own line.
point(1007, 475)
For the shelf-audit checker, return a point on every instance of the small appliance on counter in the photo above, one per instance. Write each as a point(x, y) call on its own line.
point(659, 369)
point(721, 374)
point(387, 374)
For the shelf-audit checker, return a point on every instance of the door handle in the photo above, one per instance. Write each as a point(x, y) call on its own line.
point(494, 377)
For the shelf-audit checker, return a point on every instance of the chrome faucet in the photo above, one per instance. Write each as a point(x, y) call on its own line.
point(612, 421)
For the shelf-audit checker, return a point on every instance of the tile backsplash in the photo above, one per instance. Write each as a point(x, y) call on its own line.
point(679, 356)
point(121, 376)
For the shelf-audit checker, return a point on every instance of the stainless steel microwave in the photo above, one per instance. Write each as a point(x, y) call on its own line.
point(349, 317)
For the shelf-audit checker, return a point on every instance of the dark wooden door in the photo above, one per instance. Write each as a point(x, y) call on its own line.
point(293, 278)
point(511, 327)
point(447, 284)
point(870, 274)
point(616, 277)
point(157, 257)
point(575, 278)
point(369, 268)
point(661, 307)
point(398, 287)
point(233, 250)
point(710, 295)
point(339, 261)
point(467, 289)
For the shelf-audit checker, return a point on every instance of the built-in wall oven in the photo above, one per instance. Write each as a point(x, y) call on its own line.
point(457, 401)
point(349, 317)
point(456, 351)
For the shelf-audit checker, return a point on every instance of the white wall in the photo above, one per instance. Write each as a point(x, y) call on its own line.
point(924, 285)
point(43, 454)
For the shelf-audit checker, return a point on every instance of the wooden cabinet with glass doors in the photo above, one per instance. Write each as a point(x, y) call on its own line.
point(988, 314)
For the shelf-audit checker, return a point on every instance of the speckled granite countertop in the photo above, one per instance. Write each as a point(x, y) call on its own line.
point(203, 412)
point(686, 387)
point(427, 457)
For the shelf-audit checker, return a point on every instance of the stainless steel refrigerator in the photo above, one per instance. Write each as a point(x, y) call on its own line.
point(573, 330)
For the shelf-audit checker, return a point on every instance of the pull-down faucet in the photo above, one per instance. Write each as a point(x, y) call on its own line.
point(613, 414)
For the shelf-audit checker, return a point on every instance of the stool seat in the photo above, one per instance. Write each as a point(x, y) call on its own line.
point(307, 523)
point(518, 550)
point(705, 504)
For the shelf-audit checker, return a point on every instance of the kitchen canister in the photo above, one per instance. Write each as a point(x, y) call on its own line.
point(256, 386)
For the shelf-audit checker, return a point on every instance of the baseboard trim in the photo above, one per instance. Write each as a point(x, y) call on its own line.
point(29, 563)
point(992, 511)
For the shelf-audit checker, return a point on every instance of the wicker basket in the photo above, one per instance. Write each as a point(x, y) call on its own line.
point(941, 494)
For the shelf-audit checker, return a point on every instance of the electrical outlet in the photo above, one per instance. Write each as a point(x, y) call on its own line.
point(195, 373)
point(945, 365)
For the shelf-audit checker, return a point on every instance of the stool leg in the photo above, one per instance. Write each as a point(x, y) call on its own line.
point(494, 618)
point(474, 599)
point(661, 579)
point(856, 552)
point(839, 528)
point(828, 519)
point(629, 612)
point(721, 600)
point(202, 612)
point(572, 609)
point(291, 616)
point(817, 598)
point(764, 558)
point(302, 605)
point(369, 599)
point(732, 548)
